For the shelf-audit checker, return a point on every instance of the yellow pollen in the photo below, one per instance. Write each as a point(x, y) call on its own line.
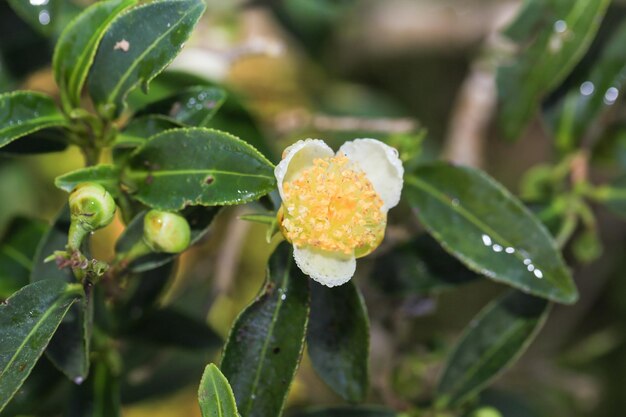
point(332, 207)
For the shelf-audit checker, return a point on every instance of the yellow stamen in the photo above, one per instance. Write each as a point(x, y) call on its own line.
point(333, 207)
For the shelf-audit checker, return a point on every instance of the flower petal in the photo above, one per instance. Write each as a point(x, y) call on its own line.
point(325, 267)
point(297, 157)
point(381, 164)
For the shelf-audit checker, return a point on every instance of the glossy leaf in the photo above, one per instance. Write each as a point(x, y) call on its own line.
point(194, 106)
point(199, 219)
point(17, 249)
point(196, 166)
point(492, 342)
point(69, 348)
point(489, 230)
point(98, 396)
point(106, 175)
point(138, 45)
point(42, 393)
point(265, 343)
point(420, 266)
point(28, 319)
point(25, 112)
point(364, 411)
point(136, 134)
point(338, 339)
point(40, 142)
point(582, 106)
point(215, 395)
point(76, 48)
point(559, 39)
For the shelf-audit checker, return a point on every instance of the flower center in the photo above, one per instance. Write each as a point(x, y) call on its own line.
point(332, 207)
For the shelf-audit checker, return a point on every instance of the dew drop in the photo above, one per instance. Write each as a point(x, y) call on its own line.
point(486, 240)
point(538, 273)
point(79, 380)
point(611, 95)
point(44, 17)
point(587, 88)
point(510, 250)
point(497, 248)
point(560, 26)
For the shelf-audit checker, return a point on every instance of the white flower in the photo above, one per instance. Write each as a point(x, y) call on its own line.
point(335, 205)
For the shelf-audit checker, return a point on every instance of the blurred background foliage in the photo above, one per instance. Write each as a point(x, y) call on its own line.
point(411, 73)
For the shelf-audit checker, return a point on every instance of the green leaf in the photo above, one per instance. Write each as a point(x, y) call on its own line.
point(364, 411)
point(613, 196)
point(184, 332)
point(43, 141)
point(69, 348)
point(420, 266)
point(28, 319)
point(42, 393)
point(583, 105)
point(265, 344)
point(338, 339)
point(194, 106)
point(26, 112)
point(136, 134)
point(136, 47)
point(561, 33)
point(98, 396)
point(215, 395)
point(494, 339)
point(199, 219)
point(76, 48)
point(106, 175)
point(489, 230)
point(196, 166)
point(17, 249)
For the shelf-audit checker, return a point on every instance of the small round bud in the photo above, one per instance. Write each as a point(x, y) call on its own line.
point(166, 232)
point(91, 206)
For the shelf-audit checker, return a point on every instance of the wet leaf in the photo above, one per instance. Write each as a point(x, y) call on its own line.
point(26, 112)
point(489, 230)
point(215, 395)
point(265, 344)
point(553, 36)
point(28, 319)
point(137, 46)
point(17, 248)
point(338, 339)
point(194, 106)
point(493, 341)
point(197, 166)
point(106, 175)
point(76, 48)
point(586, 102)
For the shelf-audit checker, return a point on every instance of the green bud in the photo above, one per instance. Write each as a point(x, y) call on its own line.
point(91, 206)
point(166, 232)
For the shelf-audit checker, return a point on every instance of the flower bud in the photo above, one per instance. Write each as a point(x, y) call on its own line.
point(91, 206)
point(166, 232)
